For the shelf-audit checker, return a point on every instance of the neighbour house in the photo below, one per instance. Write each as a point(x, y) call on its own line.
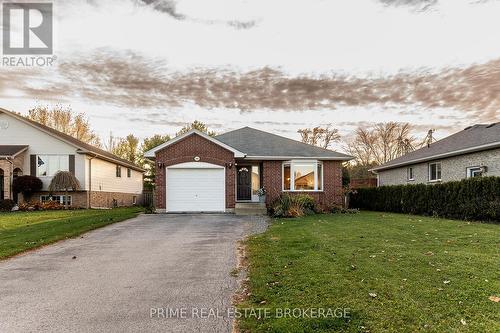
point(197, 172)
point(473, 152)
point(29, 148)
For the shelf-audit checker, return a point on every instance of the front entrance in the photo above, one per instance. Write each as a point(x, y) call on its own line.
point(244, 183)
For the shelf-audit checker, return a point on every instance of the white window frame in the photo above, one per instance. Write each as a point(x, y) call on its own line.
point(292, 163)
point(440, 171)
point(410, 174)
point(46, 158)
point(472, 169)
point(60, 200)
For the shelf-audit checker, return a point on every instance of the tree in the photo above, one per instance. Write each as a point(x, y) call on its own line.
point(64, 119)
point(198, 125)
point(148, 144)
point(127, 148)
point(26, 185)
point(381, 143)
point(64, 181)
point(319, 136)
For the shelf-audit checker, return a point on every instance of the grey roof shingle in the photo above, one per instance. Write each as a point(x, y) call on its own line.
point(11, 150)
point(255, 143)
point(472, 138)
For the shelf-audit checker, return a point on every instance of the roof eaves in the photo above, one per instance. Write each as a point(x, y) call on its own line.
point(438, 156)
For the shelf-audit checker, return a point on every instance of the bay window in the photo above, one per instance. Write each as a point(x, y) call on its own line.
point(302, 176)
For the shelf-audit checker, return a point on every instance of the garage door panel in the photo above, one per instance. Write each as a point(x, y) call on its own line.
point(195, 190)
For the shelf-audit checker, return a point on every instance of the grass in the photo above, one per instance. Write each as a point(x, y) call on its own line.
point(23, 231)
point(428, 274)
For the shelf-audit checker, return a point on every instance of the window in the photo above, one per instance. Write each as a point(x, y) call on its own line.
point(302, 176)
point(255, 179)
point(118, 171)
point(411, 176)
point(474, 172)
point(49, 165)
point(434, 172)
point(129, 173)
point(62, 199)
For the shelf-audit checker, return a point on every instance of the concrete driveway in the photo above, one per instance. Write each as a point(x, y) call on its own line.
point(124, 272)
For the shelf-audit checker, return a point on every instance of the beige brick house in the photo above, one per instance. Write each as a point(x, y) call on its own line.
point(473, 152)
point(29, 148)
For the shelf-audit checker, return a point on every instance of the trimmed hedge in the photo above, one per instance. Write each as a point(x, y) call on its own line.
point(468, 199)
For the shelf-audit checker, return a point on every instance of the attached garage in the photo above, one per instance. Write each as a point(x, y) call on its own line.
point(195, 187)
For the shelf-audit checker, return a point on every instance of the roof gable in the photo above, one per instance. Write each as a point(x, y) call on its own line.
point(473, 138)
point(264, 145)
point(151, 153)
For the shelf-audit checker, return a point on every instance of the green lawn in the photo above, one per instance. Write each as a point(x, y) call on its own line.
point(428, 274)
point(22, 231)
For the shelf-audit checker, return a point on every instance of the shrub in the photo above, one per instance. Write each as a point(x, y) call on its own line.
point(468, 199)
point(38, 205)
point(6, 205)
point(287, 205)
point(27, 185)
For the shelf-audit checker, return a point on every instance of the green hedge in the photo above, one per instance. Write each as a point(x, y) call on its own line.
point(469, 199)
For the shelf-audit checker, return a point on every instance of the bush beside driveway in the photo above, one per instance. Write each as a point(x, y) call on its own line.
point(394, 272)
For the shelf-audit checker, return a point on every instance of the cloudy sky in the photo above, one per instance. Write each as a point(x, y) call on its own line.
point(150, 66)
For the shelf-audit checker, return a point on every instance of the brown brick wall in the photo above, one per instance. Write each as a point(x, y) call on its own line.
point(98, 199)
point(332, 183)
point(185, 151)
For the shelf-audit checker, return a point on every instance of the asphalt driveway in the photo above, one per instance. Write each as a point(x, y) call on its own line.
point(126, 276)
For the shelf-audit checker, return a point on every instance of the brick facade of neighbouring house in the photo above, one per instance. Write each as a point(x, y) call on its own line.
point(332, 183)
point(185, 151)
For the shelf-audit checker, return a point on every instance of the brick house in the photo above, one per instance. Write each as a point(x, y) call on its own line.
point(472, 152)
point(199, 173)
point(29, 148)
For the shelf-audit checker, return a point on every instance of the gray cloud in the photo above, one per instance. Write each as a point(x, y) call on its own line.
point(169, 7)
point(134, 81)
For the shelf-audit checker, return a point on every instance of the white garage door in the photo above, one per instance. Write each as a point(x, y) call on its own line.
point(195, 189)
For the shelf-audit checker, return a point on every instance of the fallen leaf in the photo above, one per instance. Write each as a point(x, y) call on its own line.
point(495, 299)
point(429, 253)
point(463, 321)
point(446, 281)
point(372, 295)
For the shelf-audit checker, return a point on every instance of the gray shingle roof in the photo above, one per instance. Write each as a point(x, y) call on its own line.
point(11, 150)
point(256, 143)
point(473, 138)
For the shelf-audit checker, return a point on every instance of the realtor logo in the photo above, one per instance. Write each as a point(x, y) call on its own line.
point(27, 28)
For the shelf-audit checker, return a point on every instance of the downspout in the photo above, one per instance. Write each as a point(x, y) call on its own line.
point(89, 195)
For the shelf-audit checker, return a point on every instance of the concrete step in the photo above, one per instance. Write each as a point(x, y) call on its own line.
point(250, 208)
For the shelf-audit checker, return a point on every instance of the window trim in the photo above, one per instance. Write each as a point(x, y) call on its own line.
point(129, 173)
point(408, 178)
point(440, 171)
point(46, 162)
point(470, 168)
point(291, 163)
point(118, 171)
point(57, 195)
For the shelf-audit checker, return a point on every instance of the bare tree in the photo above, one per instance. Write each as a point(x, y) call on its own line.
point(381, 143)
point(64, 119)
point(319, 136)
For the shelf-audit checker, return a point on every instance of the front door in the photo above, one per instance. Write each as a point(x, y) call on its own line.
point(244, 183)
